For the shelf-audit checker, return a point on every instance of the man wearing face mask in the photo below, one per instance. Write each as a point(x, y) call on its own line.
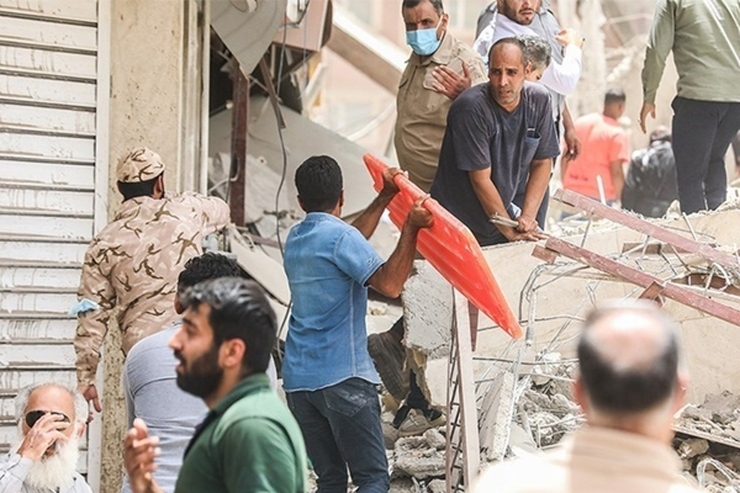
point(438, 70)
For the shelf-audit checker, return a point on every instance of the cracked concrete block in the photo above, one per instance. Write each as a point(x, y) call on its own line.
point(692, 447)
point(435, 439)
point(427, 308)
point(496, 417)
point(416, 459)
point(437, 486)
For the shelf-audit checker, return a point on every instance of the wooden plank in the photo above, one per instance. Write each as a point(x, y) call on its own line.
point(41, 328)
point(47, 226)
point(466, 382)
point(633, 222)
point(34, 146)
point(45, 91)
point(36, 119)
point(24, 249)
point(42, 302)
point(49, 200)
point(42, 63)
point(548, 256)
point(39, 173)
point(63, 10)
point(682, 295)
point(653, 292)
point(67, 37)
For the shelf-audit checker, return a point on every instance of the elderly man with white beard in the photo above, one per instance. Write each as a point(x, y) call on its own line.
point(51, 422)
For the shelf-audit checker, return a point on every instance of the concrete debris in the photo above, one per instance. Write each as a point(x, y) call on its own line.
point(708, 442)
point(427, 305)
point(436, 486)
point(435, 439)
point(416, 458)
point(692, 447)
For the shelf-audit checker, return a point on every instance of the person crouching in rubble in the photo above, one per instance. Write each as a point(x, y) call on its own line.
point(630, 384)
point(328, 376)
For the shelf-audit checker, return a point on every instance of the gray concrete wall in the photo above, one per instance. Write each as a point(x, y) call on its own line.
point(150, 79)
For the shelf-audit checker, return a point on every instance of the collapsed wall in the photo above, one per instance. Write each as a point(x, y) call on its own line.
point(522, 387)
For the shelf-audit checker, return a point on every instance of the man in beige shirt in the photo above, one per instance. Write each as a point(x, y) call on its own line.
point(438, 70)
point(630, 384)
point(133, 263)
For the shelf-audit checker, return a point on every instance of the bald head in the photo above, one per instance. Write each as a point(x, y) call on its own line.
point(628, 355)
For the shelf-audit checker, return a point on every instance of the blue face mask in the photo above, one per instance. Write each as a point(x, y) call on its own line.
point(424, 42)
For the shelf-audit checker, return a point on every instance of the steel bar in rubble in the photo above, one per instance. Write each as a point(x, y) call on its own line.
point(464, 383)
point(629, 274)
point(660, 233)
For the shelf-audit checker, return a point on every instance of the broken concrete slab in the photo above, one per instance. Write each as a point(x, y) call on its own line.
point(427, 307)
point(415, 458)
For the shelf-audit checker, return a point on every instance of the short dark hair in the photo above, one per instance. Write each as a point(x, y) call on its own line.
point(210, 265)
point(537, 51)
point(319, 183)
point(615, 96)
point(138, 189)
point(629, 390)
point(509, 41)
point(437, 4)
point(239, 310)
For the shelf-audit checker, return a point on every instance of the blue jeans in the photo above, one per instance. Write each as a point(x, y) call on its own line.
point(341, 428)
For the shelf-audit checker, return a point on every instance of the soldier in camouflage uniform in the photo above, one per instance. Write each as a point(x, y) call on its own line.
point(134, 262)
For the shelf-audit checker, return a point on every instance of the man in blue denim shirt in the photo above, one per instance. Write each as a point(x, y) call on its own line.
point(328, 375)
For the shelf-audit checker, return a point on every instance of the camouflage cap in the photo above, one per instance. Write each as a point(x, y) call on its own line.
point(141, 164)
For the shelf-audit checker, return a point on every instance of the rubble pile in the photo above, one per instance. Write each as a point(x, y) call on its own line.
point(545, 410)
point(708, 442)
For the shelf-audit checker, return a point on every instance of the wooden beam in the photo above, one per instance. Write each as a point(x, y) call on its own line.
point(681, 243)
point(640, 278)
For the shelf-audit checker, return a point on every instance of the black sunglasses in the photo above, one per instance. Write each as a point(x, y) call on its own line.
point(33, 416)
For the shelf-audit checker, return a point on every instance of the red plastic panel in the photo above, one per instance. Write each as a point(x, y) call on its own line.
point(451, 249)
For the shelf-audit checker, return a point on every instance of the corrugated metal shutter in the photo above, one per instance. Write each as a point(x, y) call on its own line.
point(48, 104)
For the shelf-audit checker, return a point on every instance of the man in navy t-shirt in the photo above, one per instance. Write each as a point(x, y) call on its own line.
point(498, 135)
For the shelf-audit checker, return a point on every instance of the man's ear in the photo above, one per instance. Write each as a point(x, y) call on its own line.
point(681, 393)
point(341, 198)
point(232, 352)
point(159, 186)
point(179, 309)
point(579, 393)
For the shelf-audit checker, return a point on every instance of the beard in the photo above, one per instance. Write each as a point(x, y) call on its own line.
point(56, 470)
point(203, 375)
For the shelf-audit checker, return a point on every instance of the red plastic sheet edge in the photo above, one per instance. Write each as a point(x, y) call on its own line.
point(451, 249)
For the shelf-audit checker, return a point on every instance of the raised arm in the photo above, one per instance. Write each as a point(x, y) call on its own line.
point(368, 220)
point(390, 277)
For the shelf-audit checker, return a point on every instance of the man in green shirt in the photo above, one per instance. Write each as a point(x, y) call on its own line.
point(249, 441)
point(704, 36)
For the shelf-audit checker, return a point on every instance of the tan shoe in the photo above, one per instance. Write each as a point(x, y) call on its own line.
point(416, 422)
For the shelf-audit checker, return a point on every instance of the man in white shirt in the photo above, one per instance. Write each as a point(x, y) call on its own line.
point(51, 421)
